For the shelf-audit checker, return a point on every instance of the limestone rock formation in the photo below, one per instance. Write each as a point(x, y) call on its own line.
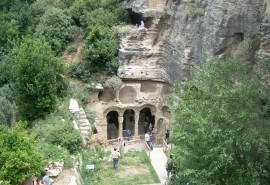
point(180, 34)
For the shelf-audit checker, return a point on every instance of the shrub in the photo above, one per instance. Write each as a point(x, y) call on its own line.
point(65, 136)
point(55, 26)
point(52, 152)
point(72, 49)
point(19, 157)
point(247, 48)
point(101, 47)
point(7, 105)
point(193, 11)
point(79, 71)
point(114, 82)
point(7, 110)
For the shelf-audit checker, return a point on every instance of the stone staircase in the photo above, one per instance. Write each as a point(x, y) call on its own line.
point(83, 125)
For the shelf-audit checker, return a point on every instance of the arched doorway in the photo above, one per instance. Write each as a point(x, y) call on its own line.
point(146, 121)
point(113, 125)
point(129, 121)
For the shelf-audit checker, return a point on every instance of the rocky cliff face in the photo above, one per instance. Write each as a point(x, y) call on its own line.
point(179, 35)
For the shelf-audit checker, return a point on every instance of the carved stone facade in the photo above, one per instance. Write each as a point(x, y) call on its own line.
point(133, 104)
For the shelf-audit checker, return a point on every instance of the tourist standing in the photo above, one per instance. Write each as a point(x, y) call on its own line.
point(115, 156)
point(122, 145)
point(167, 135)
point(169, 166)
point(148, 140)
point(128, 134)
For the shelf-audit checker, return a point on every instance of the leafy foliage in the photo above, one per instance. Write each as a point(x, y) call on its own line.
point(7, 105)
point(65, 136)
point(52, 152)
point(114, 82)
point(19, 158)
point(91, 12)
point(55, 26)
point(247, 48)
point(34, 70)
point(79, 70)
point(221, 129)
point(101, 47)
point(9, 35)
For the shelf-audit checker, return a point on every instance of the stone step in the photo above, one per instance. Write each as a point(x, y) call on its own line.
point(84, 120)
point(83, 132)
point(84, 126)
point(81, 115)
point(84, 129)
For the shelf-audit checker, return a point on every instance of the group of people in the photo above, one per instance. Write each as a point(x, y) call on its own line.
point(44, 180)
point(118, 153)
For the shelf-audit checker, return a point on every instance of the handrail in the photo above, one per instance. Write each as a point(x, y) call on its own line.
point(149, 149)
point(166, 147)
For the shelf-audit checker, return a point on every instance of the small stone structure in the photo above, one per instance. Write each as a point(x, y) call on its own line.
point(134, 104)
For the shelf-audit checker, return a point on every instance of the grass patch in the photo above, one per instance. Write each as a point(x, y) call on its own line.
point(135, 168)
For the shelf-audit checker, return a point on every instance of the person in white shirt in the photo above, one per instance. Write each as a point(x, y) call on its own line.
point(115, 156)
point(121, 146)
point(148, 141)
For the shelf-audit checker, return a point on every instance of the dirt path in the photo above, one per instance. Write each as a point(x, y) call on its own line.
point(65, 177)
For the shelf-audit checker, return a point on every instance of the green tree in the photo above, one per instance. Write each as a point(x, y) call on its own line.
point(9, 35)
point(55, 26)
point(35, 72)
point(19, 158)
point(101, 47)
point(221, 129)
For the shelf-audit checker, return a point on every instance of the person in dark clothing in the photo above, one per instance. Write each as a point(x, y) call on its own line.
point(169, 166)
point(167, 135)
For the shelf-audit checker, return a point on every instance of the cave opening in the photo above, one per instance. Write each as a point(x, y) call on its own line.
point(146, 121)
point(136, 19)
point(113, 125)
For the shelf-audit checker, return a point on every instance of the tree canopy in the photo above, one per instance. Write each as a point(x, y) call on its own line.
point(19, 158)
point(34, 70)
point(221, 128)
point(55, 26)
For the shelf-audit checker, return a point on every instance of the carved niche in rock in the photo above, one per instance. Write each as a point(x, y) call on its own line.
point(148, 87)
point(127, 95)
point(107, 95)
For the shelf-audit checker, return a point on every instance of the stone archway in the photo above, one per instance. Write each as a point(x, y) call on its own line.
point(160, 128)
point(145, 119)
point(113, 125)
point(129, 121)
